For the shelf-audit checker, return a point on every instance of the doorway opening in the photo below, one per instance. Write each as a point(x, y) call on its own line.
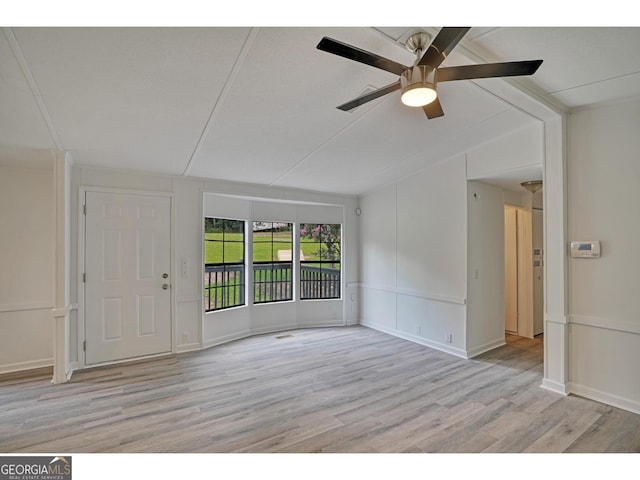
point(523, 270)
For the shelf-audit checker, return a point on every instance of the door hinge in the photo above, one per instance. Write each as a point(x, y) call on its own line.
point(84, 209)
point(84, 346)
point(84, 278)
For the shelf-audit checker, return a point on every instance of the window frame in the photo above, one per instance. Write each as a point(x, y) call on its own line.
point(226, 269)
point(331, 284)
point(272, 283)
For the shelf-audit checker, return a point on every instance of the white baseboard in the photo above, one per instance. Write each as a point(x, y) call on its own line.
point(30, 365)
point(273, 329)
point(421, 340)
point(72, 367)
point(474, 352)
point(226, 338)
point(324, 324)
point(553, 386)
point(604, 397)
point(188, 347)
point(265, 330)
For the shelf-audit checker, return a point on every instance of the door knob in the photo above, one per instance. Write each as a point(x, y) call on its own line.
point(165, 275)
point(165, 286)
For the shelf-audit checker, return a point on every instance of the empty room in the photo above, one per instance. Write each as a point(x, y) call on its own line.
point(334, 239)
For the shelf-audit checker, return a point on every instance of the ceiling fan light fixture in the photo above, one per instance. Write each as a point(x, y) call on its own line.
point(418, 85)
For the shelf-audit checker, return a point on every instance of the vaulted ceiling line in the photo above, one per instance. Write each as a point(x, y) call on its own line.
point(323, 144)
point(233, 73)
point(26, 71)
point(596, 82)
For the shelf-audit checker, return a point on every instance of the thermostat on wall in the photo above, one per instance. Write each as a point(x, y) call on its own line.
point(585, 249)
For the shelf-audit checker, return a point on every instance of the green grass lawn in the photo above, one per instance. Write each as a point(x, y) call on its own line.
point(264, 250)
point(233, 251)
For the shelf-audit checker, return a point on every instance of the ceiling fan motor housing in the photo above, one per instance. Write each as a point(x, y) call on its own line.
point(419, 77)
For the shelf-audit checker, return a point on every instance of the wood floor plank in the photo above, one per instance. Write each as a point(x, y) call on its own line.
point(349, 389)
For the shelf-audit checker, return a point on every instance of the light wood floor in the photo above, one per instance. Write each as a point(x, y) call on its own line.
point(317, 390)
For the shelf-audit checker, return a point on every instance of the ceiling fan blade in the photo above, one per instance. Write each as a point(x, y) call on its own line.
point(367, 97)
point(488, 70)
point(433, 109)
point(442, 45)
point(347, 51)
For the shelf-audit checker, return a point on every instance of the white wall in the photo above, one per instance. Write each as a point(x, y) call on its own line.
point(413, 257)
point(191, 199)
point(485, 273)
point(423, 238)
point(519, 150)
point(27, 236)
point(603, 199)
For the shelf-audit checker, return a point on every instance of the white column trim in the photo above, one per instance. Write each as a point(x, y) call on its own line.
point(556, 359)
point(60, 311)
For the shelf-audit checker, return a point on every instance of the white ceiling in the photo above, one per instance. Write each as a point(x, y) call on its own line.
point(258, 105)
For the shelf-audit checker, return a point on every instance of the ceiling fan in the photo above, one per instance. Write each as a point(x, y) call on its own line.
point(418, 83)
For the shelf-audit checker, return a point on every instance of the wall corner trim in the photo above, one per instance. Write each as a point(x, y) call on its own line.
point(556, 387)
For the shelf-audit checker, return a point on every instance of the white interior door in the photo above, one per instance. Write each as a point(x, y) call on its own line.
point(127, 268)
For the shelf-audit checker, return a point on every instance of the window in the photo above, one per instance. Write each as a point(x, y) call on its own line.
point(320, 267)
point(224, 270)
point(272, 261)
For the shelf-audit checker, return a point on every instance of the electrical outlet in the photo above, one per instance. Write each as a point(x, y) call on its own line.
point(449, 338)
point(185, 337)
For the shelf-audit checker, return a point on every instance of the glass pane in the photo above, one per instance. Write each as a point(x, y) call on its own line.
point(282, 252)
point(262, 231)
point(309, 232)
point(262, 250)
point(282, 227)
point(330, 233)
point(310, 265)
point(234, 230)
point(330, 251)
point(212, 250)
point(233, 252)
point(217, 224)
point(311, 251)
point(283, 233)
point(234, 275)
